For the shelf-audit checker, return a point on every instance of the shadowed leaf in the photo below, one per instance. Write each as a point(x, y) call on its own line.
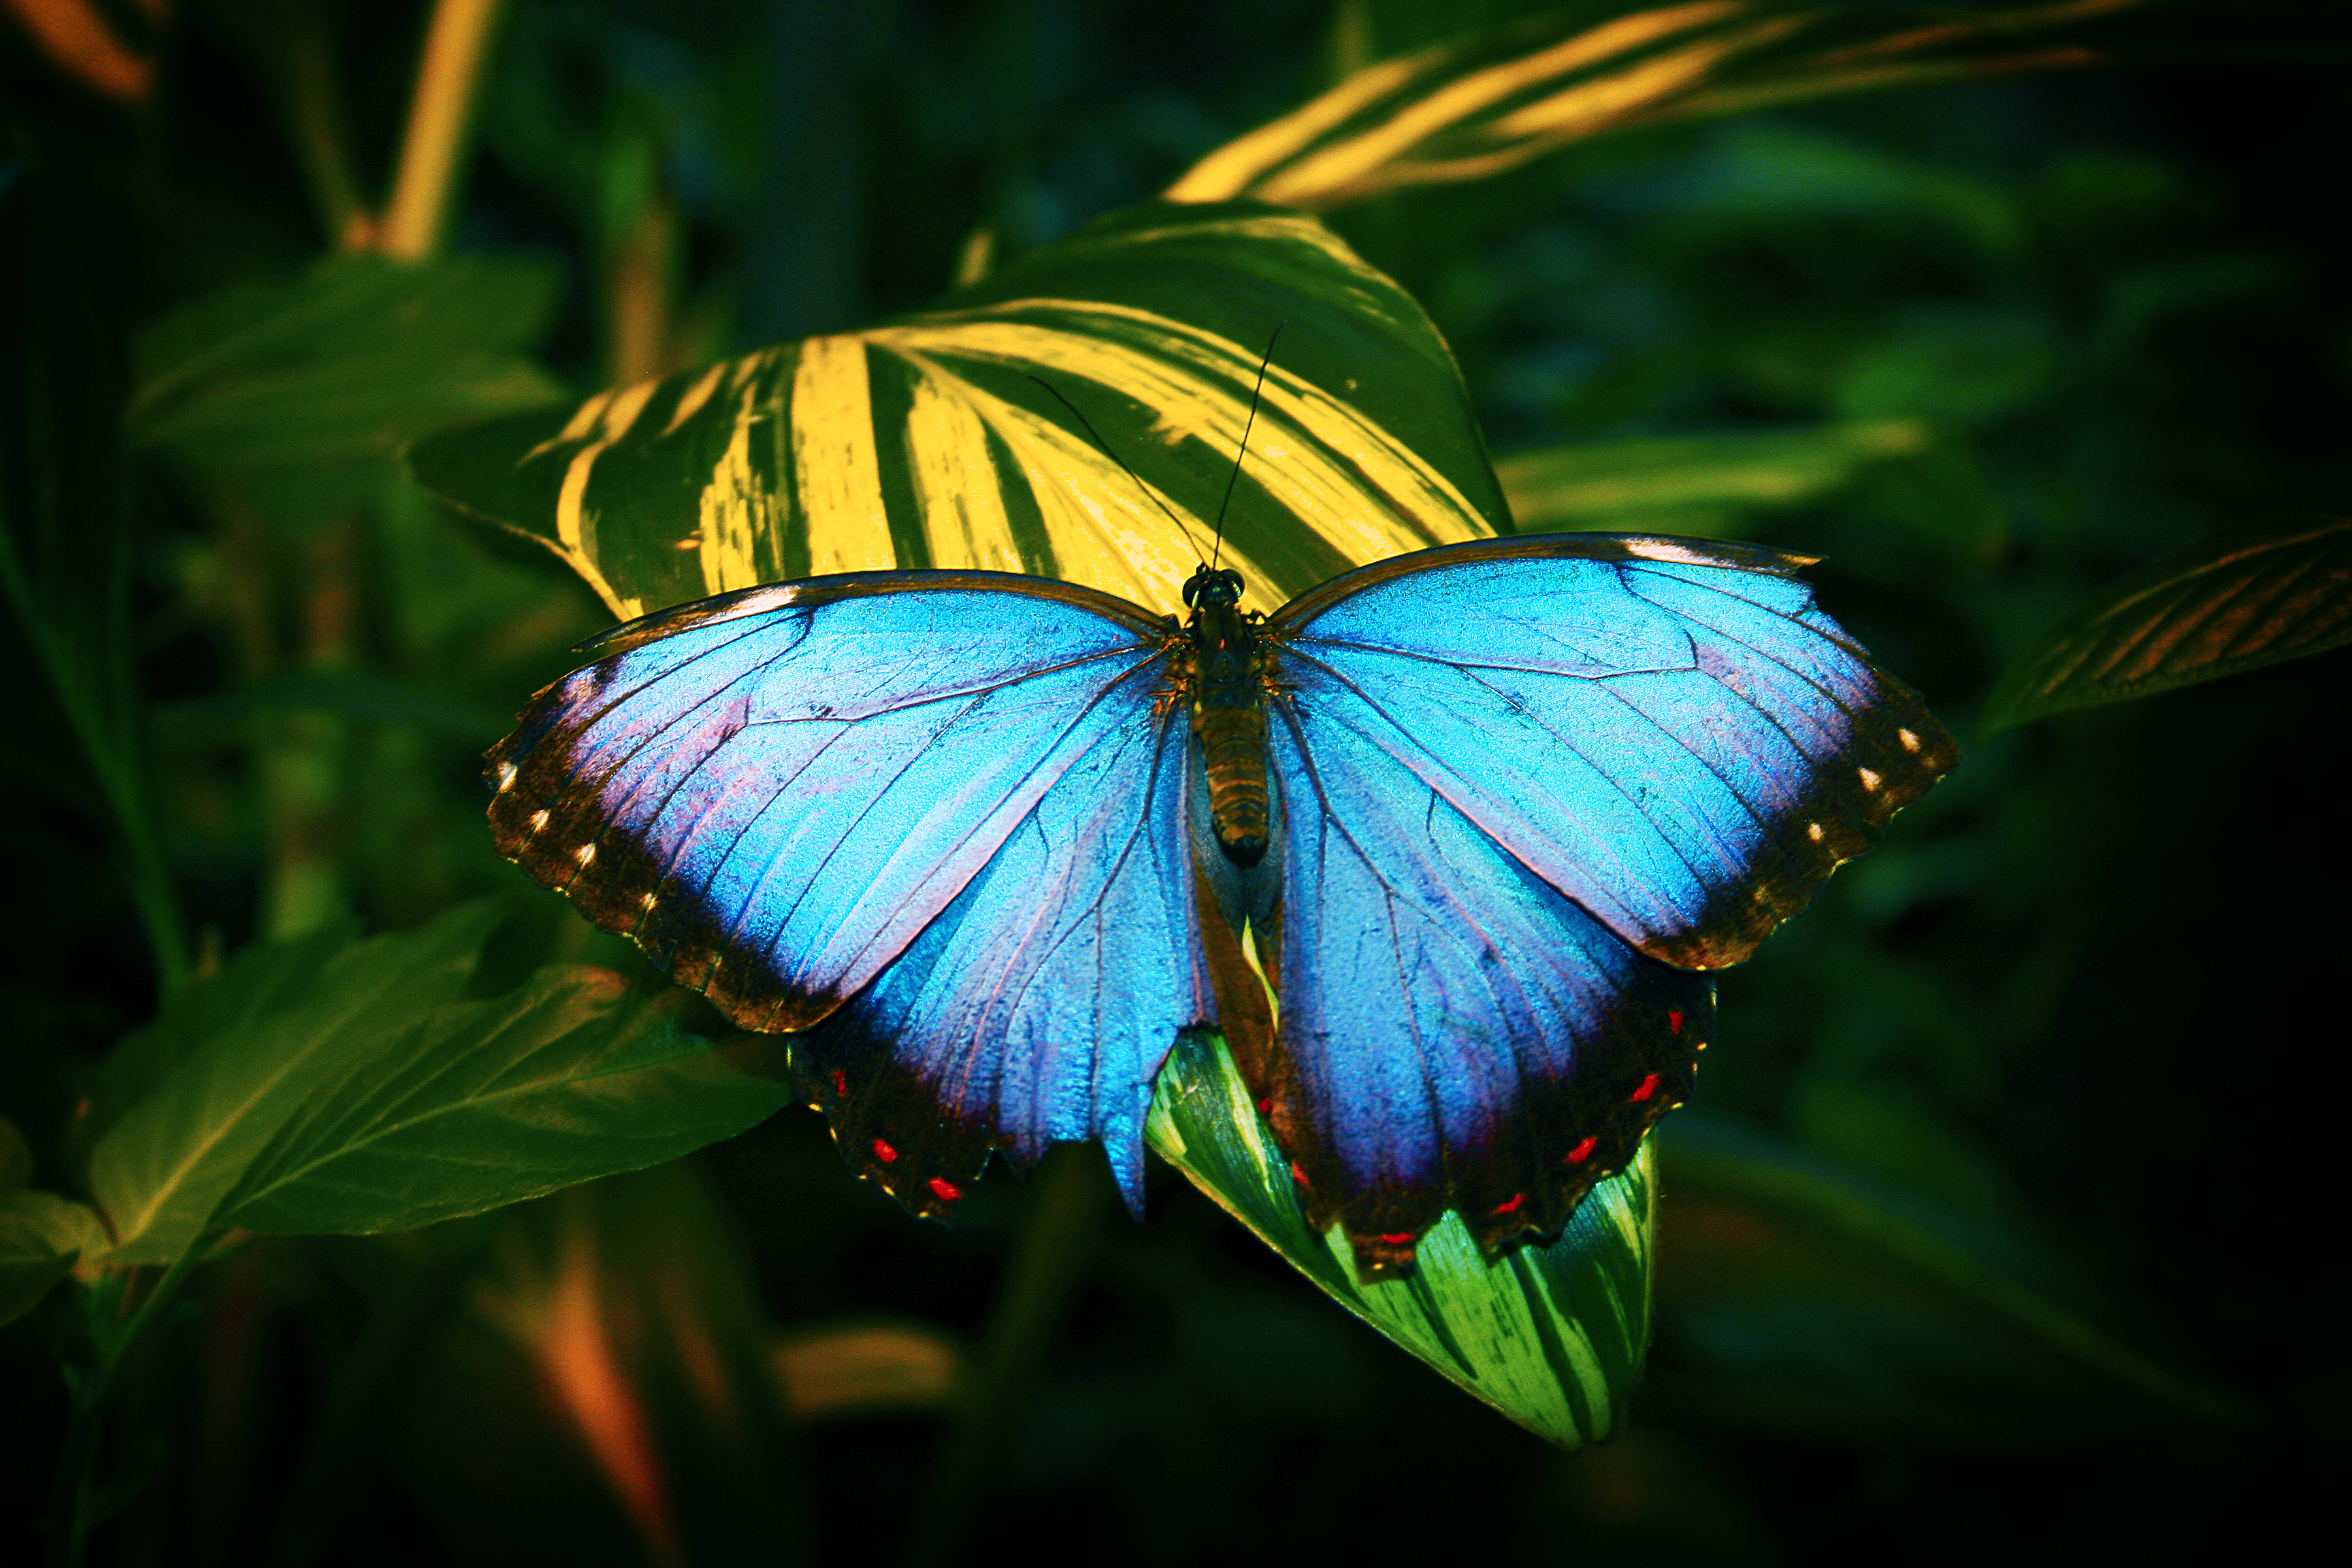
point(1693, 484)
point(1553, 1336)
point(929, 442)
point(1490, 102)
point(2235, 601)
point(330, 1086)
point(353, 359)
point(41, 1236)
point(1799, 1295)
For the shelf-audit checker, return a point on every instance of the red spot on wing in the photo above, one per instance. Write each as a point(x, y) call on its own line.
point(1582, 1152)
point(1649, 1087)
point(1511, 1208)
point(840, 1083)
point(1265, 1108)
point(1674, 1020)
point(1396, 1238)
point(948, 1191)
point(1299, 1176)
point(884, 1153)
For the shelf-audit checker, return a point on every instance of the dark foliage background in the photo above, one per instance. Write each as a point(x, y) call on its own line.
point(2081, 1004)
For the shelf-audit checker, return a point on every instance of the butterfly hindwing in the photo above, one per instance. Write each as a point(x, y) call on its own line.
point(1037, 1008)
point(1455, 1033)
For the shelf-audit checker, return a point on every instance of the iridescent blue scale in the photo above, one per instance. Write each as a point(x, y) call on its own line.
point(953, 830)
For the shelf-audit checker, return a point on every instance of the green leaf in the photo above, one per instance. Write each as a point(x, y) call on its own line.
point(1695, 484)
point(1491, 102)
point(354, 359)
point(41, 1236)
point(244, 1054)
point(2235, 601)
point(1800, 1295)
point(485, 1103)
point(1551, 1336)
point(327, 1085)
point(926, 442)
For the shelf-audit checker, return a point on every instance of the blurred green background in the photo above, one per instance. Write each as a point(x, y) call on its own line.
point(2000, 1222)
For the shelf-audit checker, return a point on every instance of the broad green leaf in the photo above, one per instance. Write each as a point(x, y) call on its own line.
point(925, 442)
point(1693, 484)
point(1797, 1294)
point(324, 1085)
point(2235, 601)
point(261, 982)
point(1489, 102)
point(1551, 1336)
point(41, 1236)
point(485, 1103)
point(245, 1052)
point(353, 359)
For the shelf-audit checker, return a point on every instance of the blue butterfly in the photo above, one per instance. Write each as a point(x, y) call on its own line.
point(1489, 814)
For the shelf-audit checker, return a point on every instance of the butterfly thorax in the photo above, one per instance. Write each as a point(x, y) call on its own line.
point(1227, 685)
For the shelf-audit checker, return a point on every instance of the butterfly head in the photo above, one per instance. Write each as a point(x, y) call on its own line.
point(1211, 585)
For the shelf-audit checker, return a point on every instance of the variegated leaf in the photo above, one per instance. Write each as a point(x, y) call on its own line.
point(1481, 105)
point(929, 441)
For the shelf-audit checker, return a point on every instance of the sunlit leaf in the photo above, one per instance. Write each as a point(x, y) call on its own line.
point(926, 442)
point(354, 358)
point(359, 1089)
point(1795, 1294)
point(1484, 104)
point(1693, 484)
point(2235, 601)
point(41, 1236)
point(1551, 1336)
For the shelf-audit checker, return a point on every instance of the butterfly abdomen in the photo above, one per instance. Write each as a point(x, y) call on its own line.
point(1228, 682)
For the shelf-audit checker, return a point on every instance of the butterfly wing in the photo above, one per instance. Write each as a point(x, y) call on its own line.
point(932, 818)
point(1532, 784)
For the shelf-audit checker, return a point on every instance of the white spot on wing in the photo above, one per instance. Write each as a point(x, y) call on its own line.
point(1910, 741)
point(506, 777)
point(1814, 831)
point(1869, 780)
point(585, 854)
point(646, 902)
point(538, 820)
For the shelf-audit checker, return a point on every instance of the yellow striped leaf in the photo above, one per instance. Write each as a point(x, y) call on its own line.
point(1489, 102)
point(2235, 601)
point(929, 441)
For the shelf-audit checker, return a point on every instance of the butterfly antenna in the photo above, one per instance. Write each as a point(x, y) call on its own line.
point(1088, 425)
point(1234, 478)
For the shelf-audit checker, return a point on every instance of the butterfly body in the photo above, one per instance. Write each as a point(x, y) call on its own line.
point(1225, 685)
point(1488, 814)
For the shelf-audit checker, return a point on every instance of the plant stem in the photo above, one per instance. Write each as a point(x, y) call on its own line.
point(77, 1455)
point(105, 750)
point(1057, 1229)
point(448, 79)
